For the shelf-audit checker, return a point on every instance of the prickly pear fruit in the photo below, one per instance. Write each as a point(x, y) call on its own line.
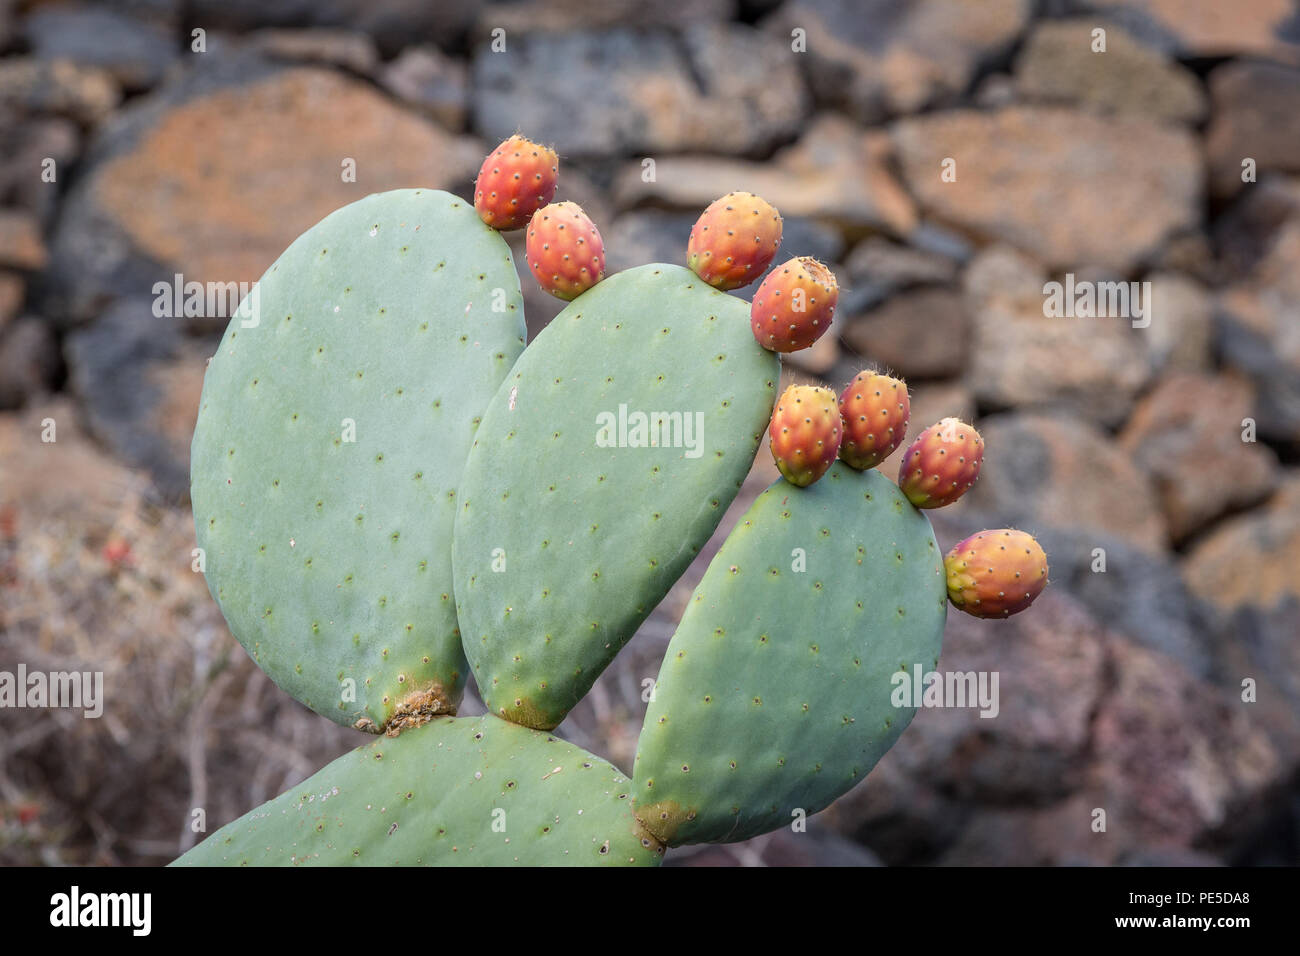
point(794, 305)
point(874, 409)
point(805, 433)
point(941, 465)
point(517, 179)
point(734, 240)
point(995, 573)
point(564, 250)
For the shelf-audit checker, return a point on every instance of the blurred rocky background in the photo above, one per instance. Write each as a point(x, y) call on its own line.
point(130, 156)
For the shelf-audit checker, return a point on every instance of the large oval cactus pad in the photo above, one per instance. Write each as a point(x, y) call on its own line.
point(775, 692)
point(603, 464)
point(330, 442)
point(456, 792)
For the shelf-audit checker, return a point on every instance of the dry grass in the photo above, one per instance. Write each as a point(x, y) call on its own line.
point(99, 579)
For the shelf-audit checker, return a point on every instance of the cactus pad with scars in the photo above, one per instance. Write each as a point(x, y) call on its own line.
point(775, 692)
point(458, 791)
point(574, 520)
point(330, 444)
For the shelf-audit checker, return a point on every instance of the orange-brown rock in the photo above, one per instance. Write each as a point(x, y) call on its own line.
point(221, 184)
point(1068, 186)
point(1188, 436)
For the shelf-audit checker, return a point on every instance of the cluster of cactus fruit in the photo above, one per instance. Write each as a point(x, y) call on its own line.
point(391, 492)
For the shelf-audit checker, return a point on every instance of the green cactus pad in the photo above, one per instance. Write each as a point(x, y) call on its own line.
point(572, 527)
point(775, 692)
point(455, 792)
point(330, 443)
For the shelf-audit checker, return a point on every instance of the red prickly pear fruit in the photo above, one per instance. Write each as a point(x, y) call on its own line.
point(805, 433)
point(995, 573)
point(874, 410)
point(517, 179)
point(794, 305)
point(564, 250)
point(941, 465)
point(734, 240)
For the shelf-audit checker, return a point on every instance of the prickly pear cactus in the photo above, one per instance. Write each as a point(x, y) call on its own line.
point(461, 792)
point(602, 466)
point(332, 432)
point(775, 692)
point(384, 497)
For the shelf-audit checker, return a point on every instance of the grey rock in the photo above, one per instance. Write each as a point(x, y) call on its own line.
point(723, 89)
point(1256, 116)
point(919, 334)
point(1059, 471)
point(134, 52)
point(527, 17)
point(1058, 64)
point(1022, 357)
point(881, 58)
point(877, 268)
point(1151, 176)
point(422, 77)
point(23, 183)
point(12, 292)
point(1191, 29)
point(1187, 435)
point(1244, 233)
point(29, 361)
point(1181, 334)
point(349, 49)
point(837, 173)
point(31, 86)
point(392, 23)
point(1258, 334)
point(138, 380)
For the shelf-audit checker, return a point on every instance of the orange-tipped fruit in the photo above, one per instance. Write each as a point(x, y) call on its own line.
point(734, 240)
point(996, 573)
point(564, 250)
point(794, 305)
point(805, 433)
point(517, 179)
point(942, 464)
point(874, 410)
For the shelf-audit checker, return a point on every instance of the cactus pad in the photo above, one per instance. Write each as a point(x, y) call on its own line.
point(458, 791)
point(775, 692)
point(585, 497)
point(329, 448)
